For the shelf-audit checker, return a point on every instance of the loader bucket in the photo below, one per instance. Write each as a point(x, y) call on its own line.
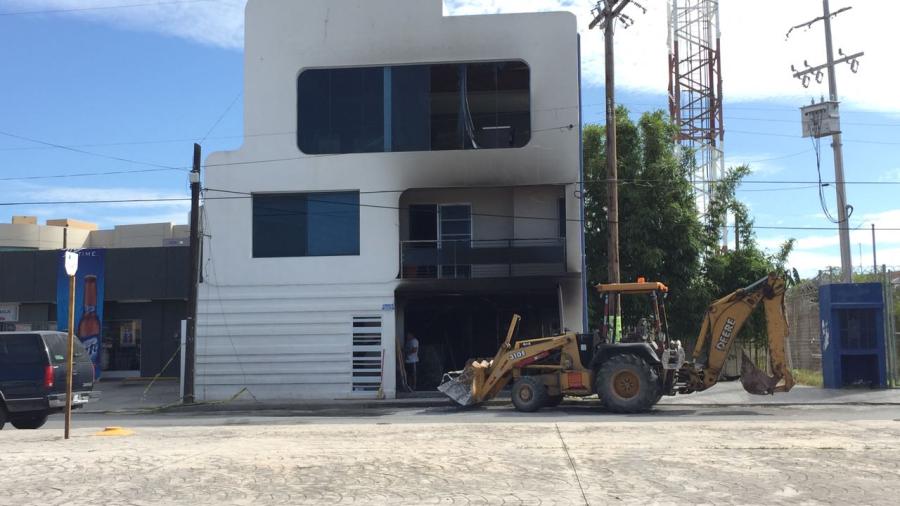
point(457, 385)
point(754, 380)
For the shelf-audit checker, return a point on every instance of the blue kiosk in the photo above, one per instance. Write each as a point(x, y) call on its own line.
point(852, 335)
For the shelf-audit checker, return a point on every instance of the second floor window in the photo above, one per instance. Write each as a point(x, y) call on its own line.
point(453, 106)
point(305, 224)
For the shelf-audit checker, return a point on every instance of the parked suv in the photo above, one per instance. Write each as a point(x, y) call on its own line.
point(33, 377)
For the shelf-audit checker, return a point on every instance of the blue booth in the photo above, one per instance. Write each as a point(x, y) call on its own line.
point(852, 335)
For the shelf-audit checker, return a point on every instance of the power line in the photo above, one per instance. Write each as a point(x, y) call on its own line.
point(222, 116)
point(375, 206)
point(84, 152)
point(83, 174)
point(103, 7)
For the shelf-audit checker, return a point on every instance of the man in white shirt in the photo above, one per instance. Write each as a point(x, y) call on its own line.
point(412, 359)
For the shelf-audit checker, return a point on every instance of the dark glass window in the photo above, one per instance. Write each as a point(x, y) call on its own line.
point(341, 111)
point(306, 224)
point(414, 108)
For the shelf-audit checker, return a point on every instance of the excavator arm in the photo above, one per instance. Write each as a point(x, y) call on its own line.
point(721, 325)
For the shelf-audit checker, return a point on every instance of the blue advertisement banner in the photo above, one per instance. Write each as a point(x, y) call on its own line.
point(88, 301)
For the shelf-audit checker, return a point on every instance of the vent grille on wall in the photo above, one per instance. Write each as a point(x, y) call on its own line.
point(367, 354)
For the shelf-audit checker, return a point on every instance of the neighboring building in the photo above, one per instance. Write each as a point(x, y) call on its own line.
point(431, 187)
point(145, 287)
point(25, 234)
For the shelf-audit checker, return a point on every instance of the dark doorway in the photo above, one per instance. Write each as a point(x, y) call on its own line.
point(452, 329)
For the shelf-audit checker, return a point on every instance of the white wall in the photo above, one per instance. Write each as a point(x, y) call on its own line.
point(283, 37)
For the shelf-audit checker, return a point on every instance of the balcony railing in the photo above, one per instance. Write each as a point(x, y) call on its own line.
point(463, 259)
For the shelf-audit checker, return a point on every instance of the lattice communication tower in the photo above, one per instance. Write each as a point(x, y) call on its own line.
point(695, 88)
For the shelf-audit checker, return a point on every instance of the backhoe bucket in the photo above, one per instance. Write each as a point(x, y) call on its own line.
point(754, 380)
point(457, 385)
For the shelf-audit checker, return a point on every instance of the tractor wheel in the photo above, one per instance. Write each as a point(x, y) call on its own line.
point(554, 400)
point(626, 384)
point(29, 421)
point(529, 394)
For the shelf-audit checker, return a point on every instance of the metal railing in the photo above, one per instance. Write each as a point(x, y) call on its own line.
point(495, 258)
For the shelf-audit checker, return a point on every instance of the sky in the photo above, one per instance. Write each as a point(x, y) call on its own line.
point(130, 85)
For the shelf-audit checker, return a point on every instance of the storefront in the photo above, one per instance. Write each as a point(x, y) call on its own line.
point(144, 304)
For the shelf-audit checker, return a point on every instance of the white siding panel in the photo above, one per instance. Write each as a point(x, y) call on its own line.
point(296, 344)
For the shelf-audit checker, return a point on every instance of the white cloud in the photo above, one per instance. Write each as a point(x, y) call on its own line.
point(892, 175)
point(820, 251)
point(157, 206)
point(756, 57)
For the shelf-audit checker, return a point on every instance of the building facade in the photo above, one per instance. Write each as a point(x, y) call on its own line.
point(145, 295)
point(402, 172)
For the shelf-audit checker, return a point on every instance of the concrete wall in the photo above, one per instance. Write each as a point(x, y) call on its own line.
point(312, 300)
point(45, 237)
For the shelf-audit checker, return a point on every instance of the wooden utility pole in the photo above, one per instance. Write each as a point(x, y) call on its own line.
point(193, 279)
point(606, 13)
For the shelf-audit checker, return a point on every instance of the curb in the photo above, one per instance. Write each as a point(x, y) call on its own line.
point(198, 409)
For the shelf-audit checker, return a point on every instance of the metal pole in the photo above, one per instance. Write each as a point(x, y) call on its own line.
point(874, 255)
point(70, 356)
point(837, 145)
point(612, 171)
point(190, 348)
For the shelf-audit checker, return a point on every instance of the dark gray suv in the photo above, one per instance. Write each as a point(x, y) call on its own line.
point(33, 377)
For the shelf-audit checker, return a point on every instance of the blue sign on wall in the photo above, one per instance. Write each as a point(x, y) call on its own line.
point(88, 301)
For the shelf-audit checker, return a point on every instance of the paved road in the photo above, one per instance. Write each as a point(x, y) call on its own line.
point(818, 455)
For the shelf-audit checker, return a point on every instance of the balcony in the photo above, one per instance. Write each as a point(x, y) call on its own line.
point(468, 259)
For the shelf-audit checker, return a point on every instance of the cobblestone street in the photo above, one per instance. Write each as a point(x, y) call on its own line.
point(721, 462)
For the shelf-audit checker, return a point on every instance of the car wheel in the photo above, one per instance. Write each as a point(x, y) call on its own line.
point(627, 384)
point(2, 416)
point(29, 421)
point(529, 394)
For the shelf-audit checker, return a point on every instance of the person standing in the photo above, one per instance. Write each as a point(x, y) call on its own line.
point(412, 359)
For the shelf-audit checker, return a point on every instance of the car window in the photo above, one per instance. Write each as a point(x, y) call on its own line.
point(25, 349)
point(56, 345)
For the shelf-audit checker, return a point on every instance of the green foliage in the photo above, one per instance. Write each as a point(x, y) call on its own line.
point(661, 235)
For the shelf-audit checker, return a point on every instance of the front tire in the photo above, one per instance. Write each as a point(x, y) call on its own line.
point(529, 394)
point(29, 421)
point(627, 384)
point(3, 416)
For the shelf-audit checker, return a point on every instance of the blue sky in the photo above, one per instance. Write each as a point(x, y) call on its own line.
point(144, 83)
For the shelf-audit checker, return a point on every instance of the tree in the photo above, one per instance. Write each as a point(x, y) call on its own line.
point(661, 236)
point(661, 233)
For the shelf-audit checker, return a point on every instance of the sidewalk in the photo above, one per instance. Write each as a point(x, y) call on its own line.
point(130, 397)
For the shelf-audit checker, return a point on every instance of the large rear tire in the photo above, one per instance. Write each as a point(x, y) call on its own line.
point(627, 384)
point(529, 394)
point(29, 421)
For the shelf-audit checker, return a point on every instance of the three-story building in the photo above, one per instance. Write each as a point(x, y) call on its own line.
point(402, 172)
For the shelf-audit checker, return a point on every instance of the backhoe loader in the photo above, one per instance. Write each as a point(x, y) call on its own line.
point(631, 373)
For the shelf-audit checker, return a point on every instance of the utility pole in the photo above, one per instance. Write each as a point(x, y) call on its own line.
point(193, 278)
point(874, 256)
point(605, 14)
point(837, 145)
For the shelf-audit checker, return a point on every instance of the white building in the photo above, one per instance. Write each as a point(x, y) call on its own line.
point(401, 172)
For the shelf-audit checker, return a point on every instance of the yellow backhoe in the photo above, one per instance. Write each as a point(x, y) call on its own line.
point(629, 373)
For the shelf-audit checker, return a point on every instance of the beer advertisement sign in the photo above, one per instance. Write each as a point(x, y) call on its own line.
point(88, 301)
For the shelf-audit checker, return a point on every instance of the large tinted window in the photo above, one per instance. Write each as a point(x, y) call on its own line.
point(22, 350)
point(414, 108)
point(307, 224)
